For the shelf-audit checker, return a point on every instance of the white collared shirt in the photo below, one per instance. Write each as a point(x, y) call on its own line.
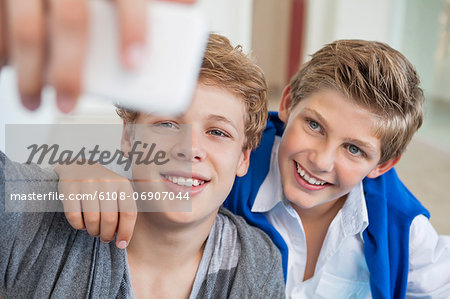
point(341, 270)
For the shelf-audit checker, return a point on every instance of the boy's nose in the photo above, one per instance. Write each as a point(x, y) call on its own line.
point(322, 159)
point(188, 148)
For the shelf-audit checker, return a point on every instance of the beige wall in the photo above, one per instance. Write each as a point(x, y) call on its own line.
point(270, 39)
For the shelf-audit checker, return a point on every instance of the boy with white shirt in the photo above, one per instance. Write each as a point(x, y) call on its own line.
point(329, 198)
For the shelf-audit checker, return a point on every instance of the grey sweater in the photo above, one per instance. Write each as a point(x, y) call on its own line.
point(42, 256)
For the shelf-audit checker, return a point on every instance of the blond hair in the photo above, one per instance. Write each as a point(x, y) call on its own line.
point(374, 76)
point(228, 67)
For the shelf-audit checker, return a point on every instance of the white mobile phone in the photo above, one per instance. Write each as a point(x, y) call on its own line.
point(166, 80)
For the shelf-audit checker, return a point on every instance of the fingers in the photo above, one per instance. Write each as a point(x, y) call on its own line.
point(125, 230)
point(127, 219)
point(98, 195)
point(91, 215)
point(75, 219)
point(27, 42)
point(108, 219)
point(133, 30)
point(72, 208)
point(68, 34)
point(81, 214)
point(108, 226)
point(23, 38)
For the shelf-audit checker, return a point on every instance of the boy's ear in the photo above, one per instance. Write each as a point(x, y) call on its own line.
point(127, 139)
point(285, 105)
point(244, 162)
point(383, 168)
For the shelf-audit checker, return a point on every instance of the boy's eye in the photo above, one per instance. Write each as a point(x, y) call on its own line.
point(165, 128)
point(314, 125)
point(167, 124)
point(219, 133)
point(354, 150)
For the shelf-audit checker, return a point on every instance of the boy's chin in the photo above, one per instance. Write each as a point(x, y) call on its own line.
point(304, 201)
point(185, 219)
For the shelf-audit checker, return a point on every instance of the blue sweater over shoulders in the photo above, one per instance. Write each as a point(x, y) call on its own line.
point(390, 205)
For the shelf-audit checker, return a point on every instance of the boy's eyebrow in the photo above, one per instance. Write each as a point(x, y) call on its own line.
point(221, 118)
point(367, 146)
point(149, 115)
point(322, 120)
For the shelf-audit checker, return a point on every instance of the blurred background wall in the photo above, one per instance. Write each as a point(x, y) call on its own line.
point(281, 34)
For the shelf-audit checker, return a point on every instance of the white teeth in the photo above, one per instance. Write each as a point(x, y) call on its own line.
point(306, 177)
point(188, 182)
point(300, 171)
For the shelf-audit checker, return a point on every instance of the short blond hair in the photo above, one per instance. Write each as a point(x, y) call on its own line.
point(374, 76)
point(228, 67)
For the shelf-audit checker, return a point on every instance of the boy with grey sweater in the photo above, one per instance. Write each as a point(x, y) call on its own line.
point(206, 253)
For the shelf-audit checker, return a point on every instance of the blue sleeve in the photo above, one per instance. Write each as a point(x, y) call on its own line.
point(391, 208)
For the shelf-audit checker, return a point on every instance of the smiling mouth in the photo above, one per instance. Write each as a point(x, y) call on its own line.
point(308, 178)
point(185, 181)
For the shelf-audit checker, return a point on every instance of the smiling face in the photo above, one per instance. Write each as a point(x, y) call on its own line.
point(327, 148)
point(205, 148)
